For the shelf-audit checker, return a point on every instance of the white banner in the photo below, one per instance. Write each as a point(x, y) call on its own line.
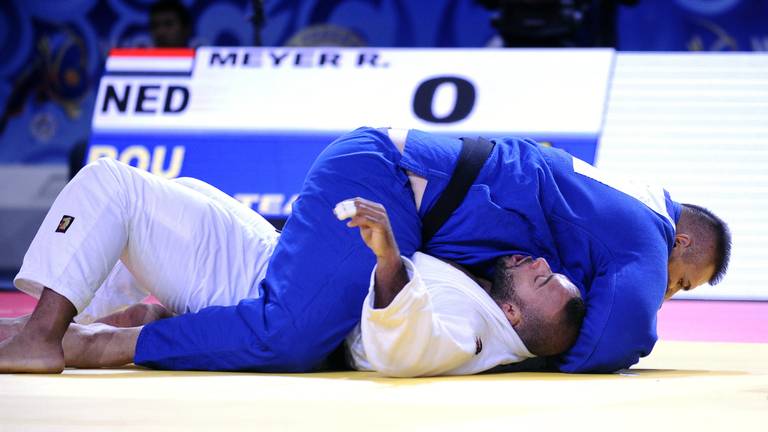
point(332, 89)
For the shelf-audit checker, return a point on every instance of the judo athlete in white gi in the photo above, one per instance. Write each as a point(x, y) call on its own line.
point(193, 246)
point(424, 316)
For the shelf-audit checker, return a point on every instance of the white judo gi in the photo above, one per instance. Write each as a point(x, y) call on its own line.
point(116, 234)
point(441, 323)
point(132, 234)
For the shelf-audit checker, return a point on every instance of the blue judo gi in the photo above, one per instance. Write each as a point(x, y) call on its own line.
point(527, 199)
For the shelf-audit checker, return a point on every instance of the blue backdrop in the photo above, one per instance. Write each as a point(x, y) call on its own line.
point(53, 50)
point(694, 25)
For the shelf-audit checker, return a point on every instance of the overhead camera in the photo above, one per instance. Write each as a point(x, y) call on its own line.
point(541, 23)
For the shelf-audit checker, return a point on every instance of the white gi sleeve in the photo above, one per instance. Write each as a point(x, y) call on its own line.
point(422, 332)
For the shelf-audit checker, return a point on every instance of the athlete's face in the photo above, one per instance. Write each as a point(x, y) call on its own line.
point(686, 273)
point(534, 286)
point(686, 276)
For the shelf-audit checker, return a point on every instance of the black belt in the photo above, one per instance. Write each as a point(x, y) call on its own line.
point(474, 153)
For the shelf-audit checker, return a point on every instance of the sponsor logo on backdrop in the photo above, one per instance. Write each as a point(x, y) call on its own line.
point(268, 204)
point(156, 159)
point(167, 162)
point(759, 43)
point(711, 37)
point(707, 6)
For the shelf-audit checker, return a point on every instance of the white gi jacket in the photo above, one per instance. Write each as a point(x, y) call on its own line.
point(441, 323)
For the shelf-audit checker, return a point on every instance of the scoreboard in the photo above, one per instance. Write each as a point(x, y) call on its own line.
point(251, 120)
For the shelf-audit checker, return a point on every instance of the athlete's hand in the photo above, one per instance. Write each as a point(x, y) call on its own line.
point(371, 218)
point(390, 276)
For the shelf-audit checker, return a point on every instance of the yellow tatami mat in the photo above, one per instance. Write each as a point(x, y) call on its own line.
point(683, 386)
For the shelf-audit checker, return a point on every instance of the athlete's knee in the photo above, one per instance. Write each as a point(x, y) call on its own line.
point(107, 180)
point(199, 186)
point(104, 171)
point(114, 174)
point(301, 357)
point(303, 349)
point(104, 164)
point(189, 182)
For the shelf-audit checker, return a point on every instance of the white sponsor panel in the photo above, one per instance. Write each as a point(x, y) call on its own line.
point(698, 124)
point(331, 89)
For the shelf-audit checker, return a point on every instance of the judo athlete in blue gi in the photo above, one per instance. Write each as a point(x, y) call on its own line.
point(624, 245)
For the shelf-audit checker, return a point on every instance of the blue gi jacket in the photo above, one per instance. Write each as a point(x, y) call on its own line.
point(529, 199)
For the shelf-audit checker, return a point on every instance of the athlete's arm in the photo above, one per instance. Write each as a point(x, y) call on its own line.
point(423, 332)
point(405, 332)
point(390, 277)
point(622, 304)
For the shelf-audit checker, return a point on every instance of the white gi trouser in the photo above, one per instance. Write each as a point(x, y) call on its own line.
point(133, 233)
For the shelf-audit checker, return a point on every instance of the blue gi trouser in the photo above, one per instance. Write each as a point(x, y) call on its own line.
point(317, 279)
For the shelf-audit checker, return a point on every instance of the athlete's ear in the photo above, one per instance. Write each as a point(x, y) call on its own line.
point(682, 240)
point(512, 312)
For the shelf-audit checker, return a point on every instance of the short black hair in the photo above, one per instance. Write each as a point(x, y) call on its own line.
point(174, 6)
point(551, 337)
point(573, 314)
point(542, 337)
point(721, 236)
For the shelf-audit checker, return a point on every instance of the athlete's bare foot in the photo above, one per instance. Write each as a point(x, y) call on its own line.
point(12, 326)
point(25, 353)
point(37, 348)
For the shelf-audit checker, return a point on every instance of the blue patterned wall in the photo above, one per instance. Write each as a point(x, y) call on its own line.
point(53, 50)
point(695, 25)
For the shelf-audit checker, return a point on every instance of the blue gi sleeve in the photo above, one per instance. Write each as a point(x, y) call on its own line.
point(620, 324)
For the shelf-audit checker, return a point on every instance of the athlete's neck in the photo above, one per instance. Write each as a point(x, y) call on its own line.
point(485, 284)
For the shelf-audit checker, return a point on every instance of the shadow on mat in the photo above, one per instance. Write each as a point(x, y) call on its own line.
point(135, 372)
point(678, 373)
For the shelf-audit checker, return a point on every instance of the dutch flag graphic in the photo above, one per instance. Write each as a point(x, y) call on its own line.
point(151, 62)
